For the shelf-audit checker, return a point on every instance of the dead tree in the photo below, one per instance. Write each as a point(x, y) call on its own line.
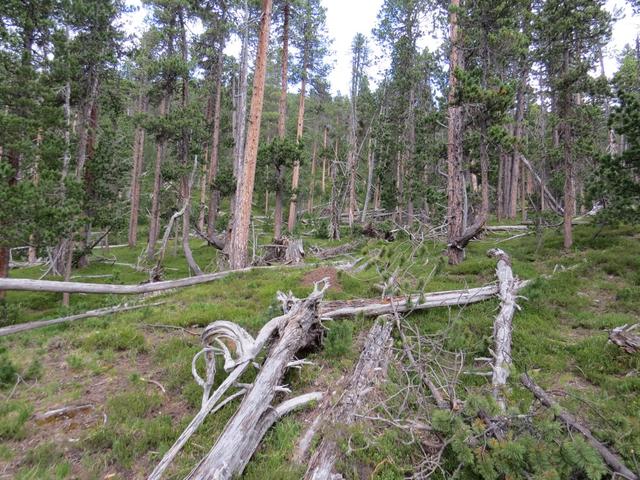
point(503, 325)
point(287, 334)
point(371, 367)
point(612, 459)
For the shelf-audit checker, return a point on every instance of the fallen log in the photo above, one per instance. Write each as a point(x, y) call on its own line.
point(325, 253)
point(24, 284)
point(64, 412)
point(503, 325)
point(625, 338)
point(506, 228)
point(236, 445)
point(100, 312)
point(401, 304)
point(611, 458)
point(371, 367)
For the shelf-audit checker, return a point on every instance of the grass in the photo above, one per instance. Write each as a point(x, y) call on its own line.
point(560, 337)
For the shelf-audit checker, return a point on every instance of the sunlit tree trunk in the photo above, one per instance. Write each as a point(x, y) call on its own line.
point(282, 120)
point(239, 239)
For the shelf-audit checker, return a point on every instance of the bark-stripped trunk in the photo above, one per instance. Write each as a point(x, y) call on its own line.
point(454, 146)
point(239, 238)
point(154, 220)
point(503, 325)
point(515, 173)
point(282, 120)
point(136, 173)
point(367, 374)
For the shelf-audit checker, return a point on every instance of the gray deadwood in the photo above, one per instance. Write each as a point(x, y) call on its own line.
point(370, 369)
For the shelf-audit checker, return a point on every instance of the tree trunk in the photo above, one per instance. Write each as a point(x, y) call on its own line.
point(371, 165)
point(334, 221)
point(454, 147)
point(295, 179)
point(238, 241)
point(154, 220)
point(136, 173)
point(569, 180)
point(324, 157)
point(312, 180)
point(282, 119)
point(4, 266)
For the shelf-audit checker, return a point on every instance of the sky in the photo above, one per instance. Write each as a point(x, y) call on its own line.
point(345, 18)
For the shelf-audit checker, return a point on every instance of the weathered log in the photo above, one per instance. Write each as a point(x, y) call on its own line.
point(506, 228)
point(239, 440)
point(611, 458)
point(371, 367)
point(324, 253)
point(625, 338)
point(376, 306)
point(78, 287)
point(503, 325)
point(100, 312)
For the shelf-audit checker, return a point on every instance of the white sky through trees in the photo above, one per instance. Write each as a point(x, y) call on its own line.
point(345, 18)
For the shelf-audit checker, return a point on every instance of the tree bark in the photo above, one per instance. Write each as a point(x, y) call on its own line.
point(282, 120)
point(371, 165)
point(334, 221)
point(154, 220)
point(136, 173)
point(238, 242)
point(295, 178)
point(454, 146)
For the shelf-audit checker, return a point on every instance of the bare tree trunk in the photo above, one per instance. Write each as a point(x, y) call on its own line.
point(295, 179)
point(454, 148)
point(138, 159)
point(371, 165)
point(238, 241)
point(154, 221)
point(517, 134)
point(334, 221)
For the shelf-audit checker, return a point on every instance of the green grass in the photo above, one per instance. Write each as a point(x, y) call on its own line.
point(560, 337)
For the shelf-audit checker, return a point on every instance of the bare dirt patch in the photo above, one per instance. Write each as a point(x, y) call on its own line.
point(323, 272)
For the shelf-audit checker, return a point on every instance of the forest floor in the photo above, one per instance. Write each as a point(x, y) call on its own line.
point(560, 338)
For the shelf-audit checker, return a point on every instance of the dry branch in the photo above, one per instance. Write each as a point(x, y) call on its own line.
point(612, 459)
point(100, 312)
point(625, 338)
point(371, 367)
point(66, 412)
